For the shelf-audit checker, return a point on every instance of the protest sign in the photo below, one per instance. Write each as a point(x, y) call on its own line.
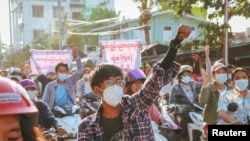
point(44, 61)
point(126, 54)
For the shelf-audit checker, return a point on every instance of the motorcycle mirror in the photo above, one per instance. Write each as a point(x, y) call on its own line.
point(232, 107)
point(75, 108)
point(59, 109)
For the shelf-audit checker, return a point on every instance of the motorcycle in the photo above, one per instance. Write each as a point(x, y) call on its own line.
point(167, 126)
point(195, 128)
point(50, 134)
point(89, 105)
point(157, 134)
point(68, 117)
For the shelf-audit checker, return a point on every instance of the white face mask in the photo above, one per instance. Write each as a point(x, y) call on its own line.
point(62, 76)
point(113, 95)
point(32, 94)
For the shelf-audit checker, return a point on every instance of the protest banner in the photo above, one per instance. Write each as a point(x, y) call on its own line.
point(44, 61)
point(126, 54)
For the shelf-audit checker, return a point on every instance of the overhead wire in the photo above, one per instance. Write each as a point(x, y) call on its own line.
point(74, 24)
point(106, 32)
point(79, 24)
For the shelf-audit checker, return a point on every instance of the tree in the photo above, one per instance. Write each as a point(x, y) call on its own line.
point(145, 6)
point(98, 13)
point(213, 32)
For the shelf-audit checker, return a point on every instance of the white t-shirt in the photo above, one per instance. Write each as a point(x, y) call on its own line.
point(222, 91)
point(219, 121)
point(167, 88)
point(87, 87)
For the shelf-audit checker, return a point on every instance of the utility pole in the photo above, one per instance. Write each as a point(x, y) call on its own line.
point(1, 54)
point(10, 24)
point(60, 23)
point(226, 31)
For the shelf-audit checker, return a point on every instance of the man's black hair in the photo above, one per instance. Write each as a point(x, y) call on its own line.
point(61, 64)
point(102, 72)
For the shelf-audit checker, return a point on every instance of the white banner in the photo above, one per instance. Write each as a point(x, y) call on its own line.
point(126, 54)
point(44, 61)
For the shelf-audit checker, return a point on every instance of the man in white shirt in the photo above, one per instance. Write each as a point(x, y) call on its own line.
point(83, 86)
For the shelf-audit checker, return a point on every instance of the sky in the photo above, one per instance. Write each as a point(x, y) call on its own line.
point(127, 7)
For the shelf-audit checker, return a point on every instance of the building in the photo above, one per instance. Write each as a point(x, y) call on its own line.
point(163, 27)
point(31, 18)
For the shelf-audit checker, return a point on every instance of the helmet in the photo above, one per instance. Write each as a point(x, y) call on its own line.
point(13, 73)
point(136, 74)
point(15, 100)
point(14, 70)
point(26, 83)
point(185, 68)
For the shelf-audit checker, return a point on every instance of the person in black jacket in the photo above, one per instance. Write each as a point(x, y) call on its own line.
point(46, 118)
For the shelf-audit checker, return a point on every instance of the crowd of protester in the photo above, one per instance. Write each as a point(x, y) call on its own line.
point(128, 103)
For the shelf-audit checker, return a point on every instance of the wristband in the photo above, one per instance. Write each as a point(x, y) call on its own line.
point(176, 40)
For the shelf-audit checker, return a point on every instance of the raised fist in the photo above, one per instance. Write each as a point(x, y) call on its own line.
point(184, 31)
point(74, 50)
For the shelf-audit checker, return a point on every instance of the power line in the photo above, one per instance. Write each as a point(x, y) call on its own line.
point(106, 32)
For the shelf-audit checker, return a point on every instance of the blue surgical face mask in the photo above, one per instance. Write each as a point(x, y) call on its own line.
point(85, 76)
point(33, 78)
point(186, 79)
point(62, 76)
point(32, 94)
point(241, 84)
point(221, 78)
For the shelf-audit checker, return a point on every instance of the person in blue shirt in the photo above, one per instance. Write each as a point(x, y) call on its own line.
point(62, 90)
point(46, 118)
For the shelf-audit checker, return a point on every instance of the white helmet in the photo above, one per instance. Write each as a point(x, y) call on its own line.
point(185, 68)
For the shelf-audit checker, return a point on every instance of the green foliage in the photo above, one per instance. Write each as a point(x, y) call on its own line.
point(239, 7)
point(144, 4)
point(97, 13)
point(78, 40)
point(212, 33)
point(15, 59)
point(199, 12)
